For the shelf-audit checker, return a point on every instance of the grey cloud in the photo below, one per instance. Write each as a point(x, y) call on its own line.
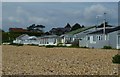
point(90, 13)
point(38, 20)
point(93, 11)
point(55, 15)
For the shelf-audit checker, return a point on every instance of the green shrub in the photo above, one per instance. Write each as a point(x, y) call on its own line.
point(60, 45)
point(33, 44)
point(107, 47)
point(49, 46)
point(20, 45)
point(15, 44)
point(116, 59)
point(84, 47)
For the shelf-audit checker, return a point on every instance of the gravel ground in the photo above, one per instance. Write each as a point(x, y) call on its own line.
point(34, 60)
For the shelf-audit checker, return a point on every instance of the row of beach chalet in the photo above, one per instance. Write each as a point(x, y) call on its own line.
point(92, 37)
point(43, 40)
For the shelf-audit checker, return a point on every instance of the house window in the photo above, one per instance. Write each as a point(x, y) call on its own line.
point(88, 38)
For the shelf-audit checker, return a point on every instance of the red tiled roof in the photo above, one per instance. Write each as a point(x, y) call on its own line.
point(17, 30)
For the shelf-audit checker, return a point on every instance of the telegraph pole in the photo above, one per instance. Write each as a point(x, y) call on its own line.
point(104, 22)
point(104, 25)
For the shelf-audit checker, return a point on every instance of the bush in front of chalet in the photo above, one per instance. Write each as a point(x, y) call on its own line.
point(116, 59)
point(19, 44)
point(107, 47)
point(49, 46)
point(32, 44)
point(61, 46)
point(84, 47)
point(75, 43)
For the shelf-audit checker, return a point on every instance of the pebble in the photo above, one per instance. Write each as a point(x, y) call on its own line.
point(39, 60)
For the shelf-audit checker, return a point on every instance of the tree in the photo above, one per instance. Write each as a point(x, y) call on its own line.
point(31, 27)
point(40, 27)
point(76, 26)
point(35, 28)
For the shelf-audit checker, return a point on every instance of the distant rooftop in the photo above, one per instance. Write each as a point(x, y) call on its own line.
point(49, 36)
point(17, 30)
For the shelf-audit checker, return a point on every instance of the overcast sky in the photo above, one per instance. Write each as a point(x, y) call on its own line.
point(57, 14)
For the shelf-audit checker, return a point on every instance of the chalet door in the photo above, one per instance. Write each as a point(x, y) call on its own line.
point(91, 39)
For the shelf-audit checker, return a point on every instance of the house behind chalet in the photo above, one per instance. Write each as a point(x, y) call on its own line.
point(17, 30)
point(60, 30)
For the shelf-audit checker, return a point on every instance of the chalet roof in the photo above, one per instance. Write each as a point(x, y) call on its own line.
point(32, 37)
point(20, 37)
point(66, 35)
point(49, 36)
point(108, 30)
point(80, 30)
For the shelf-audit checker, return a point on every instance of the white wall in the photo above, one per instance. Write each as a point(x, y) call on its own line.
point(48, 41)
point(113, 39)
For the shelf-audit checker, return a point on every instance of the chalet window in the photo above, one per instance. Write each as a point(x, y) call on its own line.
point(94, 39)
point(99, 37)
point(70, 38)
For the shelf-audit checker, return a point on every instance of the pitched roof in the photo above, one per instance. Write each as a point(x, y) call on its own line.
point(49, 36)
point(108, 30)
point(23, 35)
point(80, 30)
